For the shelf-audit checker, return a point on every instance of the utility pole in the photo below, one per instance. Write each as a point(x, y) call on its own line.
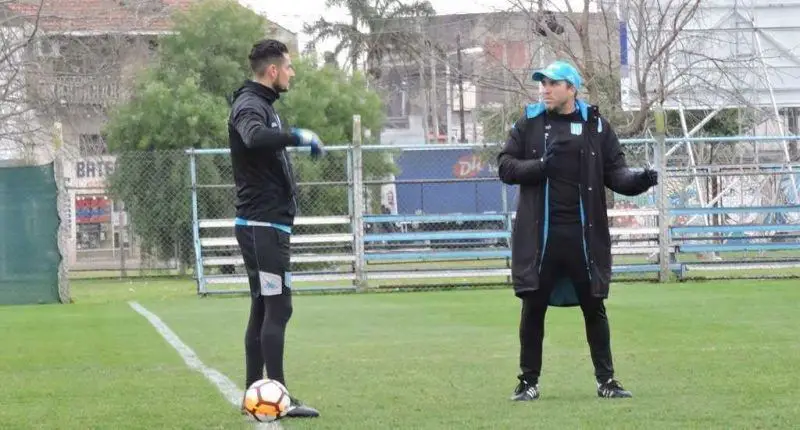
point(505, 40)
point(449, 91)
point(434, 100)
point(423, 91)
point(460, 90)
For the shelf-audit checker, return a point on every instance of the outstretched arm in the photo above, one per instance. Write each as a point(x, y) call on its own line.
point(252, 126)
point(616, 174)
point(513, 168)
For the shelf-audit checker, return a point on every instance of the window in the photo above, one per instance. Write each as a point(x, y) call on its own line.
point(91, 144)
point(47, 47)
point(151, 6)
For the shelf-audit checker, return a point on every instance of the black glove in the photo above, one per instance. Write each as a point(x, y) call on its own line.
point(650, 177)
point(548, 164)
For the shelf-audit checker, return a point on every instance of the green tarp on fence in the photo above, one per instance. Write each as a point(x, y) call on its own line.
point(29, 254)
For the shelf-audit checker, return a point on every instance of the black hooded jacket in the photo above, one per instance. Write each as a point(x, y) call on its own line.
point(602, 164)
point(262, 172)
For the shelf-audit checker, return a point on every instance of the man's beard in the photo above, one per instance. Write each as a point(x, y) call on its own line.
point(558, 108)
point(280, 88)
point(553, 107)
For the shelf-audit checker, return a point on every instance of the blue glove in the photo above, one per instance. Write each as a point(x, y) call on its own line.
point(310, 139)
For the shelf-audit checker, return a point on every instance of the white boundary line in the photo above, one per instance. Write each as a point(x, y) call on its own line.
point(228, 389)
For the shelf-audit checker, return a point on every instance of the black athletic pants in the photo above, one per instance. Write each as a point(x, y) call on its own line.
point(564, 256)
point(266, 258)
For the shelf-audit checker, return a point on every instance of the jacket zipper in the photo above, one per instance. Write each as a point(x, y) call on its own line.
point(285, 163)
point(289, 178)
point(546, 225)
point(583, 232)
point(580, 203)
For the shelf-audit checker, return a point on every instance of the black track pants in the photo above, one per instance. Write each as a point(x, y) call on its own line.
point(564, 256)
point(266, 258)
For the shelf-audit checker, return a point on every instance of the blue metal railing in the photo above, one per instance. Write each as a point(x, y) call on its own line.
point(480, 236)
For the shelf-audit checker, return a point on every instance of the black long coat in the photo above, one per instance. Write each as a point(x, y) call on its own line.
point(602, 164)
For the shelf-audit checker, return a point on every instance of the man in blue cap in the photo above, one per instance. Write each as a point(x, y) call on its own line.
point(563, 154)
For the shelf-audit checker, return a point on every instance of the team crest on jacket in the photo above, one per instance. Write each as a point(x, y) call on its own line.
point(577, 128)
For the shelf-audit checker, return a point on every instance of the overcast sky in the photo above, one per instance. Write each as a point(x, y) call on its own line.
point(292, 14)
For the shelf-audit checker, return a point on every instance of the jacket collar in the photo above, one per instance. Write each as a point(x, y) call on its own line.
point(262, 91)
point(536, 109)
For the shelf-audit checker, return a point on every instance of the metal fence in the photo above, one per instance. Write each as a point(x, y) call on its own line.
point(434, 215)
point(127, 214)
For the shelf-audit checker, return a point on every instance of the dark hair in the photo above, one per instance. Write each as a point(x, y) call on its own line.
point(266, 52)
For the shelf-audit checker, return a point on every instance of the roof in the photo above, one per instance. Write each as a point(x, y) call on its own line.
point(101, 16)
point(280, 27)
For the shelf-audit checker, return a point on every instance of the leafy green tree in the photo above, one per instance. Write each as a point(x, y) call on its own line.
point(181, 101)
point(372, 30)
point(325, 100)
point(497, 120)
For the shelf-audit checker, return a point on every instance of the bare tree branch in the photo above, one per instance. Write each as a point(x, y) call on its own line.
point(57, 64)
point(17, 35)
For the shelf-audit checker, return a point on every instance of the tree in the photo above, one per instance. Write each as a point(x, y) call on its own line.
point(496, 121)
point(670, 54)
point(330, 59)
point(367, 32)
point(325, 100)
point(181, 102)
point(19, 130)
point(49, 73)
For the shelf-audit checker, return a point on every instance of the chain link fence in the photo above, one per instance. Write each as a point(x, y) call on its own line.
point(443, 218)
point(128, 214)
point(324, 197)
point(431, 215)
point(131, 213)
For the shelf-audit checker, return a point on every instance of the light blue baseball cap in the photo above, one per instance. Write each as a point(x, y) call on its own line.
point(560, 71)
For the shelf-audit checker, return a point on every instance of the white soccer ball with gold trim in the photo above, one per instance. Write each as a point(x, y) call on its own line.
point(266, 400)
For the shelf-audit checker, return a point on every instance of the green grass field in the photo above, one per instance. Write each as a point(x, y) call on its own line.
point(695, 355)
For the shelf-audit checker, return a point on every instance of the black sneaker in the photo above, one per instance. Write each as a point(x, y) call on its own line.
point(612, 389)
point(525, 392)
point(299, 410)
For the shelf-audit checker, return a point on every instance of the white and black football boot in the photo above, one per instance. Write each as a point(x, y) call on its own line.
point(612, 389)
point(297, 409)
point(525, 392)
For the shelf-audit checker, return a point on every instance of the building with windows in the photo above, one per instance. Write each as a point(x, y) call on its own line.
point(484, 59)
point(68, 62)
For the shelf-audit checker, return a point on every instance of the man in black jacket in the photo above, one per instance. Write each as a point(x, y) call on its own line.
point(562, 154)
point(266, 205)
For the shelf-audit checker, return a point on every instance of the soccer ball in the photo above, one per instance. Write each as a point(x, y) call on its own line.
point(266, 400)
